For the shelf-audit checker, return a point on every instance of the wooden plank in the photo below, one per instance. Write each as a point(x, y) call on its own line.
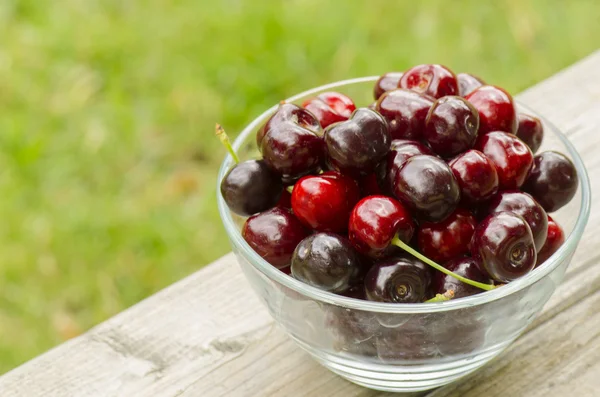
point(208, 335)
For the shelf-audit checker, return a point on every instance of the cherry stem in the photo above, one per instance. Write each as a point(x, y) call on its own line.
point(399, 243)
point(446, 296)
point(222, 135)
point(290, 189)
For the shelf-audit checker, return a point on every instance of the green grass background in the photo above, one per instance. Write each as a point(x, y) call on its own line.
point(107, 109)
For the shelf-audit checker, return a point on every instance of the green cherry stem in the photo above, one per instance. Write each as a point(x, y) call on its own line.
point(399, 243)
point(446, 296)
point(222, 135)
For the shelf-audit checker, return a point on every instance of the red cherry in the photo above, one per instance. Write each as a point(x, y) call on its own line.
point(448, 239)
point(405, 112)
point(400, 151)
point(375, 221)
point(512, 158)
point(496, 109)
point(433, 80)
point(330, 107)
point(463, 266)
point(274, 235)
point(285, 200)
point(556, 237)
point(467, 83)
point(530, 131)
point(387, 82)
point(476, 175)
point(324, 202)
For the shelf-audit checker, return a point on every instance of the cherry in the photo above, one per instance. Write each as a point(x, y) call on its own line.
point(530, 131)
point(330, 107)
point(405, 112)
point(398, 280)
point(512, 158)
point(496, 109)
point(356, 146)
point(467, 83)
point(328, 262)
point(464, 266)
point(290, 142)
point(401, 150)
point(285, 200)
point(251, 187)
point(451, 126)
point(408, 341)
point(375, 221)
point(476, 176)
point(448, 239)
point(433, 80)
point(503, 245)
point(427, 186)
point(524, 205)
point(387, 82)
point(324, 202)
point(353, 331)
point(274, 234)
point(556, 237)
point(369, 185)
point(553, 180)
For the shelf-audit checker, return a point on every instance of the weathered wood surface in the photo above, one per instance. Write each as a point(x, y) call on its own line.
point(208, 335)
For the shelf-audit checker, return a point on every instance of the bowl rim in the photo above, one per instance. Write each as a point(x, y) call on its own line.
point(402, 308)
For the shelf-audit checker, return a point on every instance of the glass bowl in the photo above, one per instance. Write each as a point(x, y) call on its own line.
point(404, 347)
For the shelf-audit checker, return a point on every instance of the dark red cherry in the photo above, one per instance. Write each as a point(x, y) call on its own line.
point(433, 80)
point(553, 180)
point(374, 222)
point(274, 234)
point(448, 239)
point(387, 82)
point(401, 150)
point(451, 126)
point(556, 237)
point(324, 202)
point(427, 186)
point(330, 107)
point(328, 262)
point(531, 131)
point(251, 187)
point(465, 267)
point(405, 112)
point(524, 205)
point(467, 83)
point(290, 142)
point(503, 245)
point(512, 158)
point(476, 175)
point(368, 185)
point(352, 331)
point(357, 145)
point(398, 280)
point(496, 109)
point(285, 201)
point(407, 342)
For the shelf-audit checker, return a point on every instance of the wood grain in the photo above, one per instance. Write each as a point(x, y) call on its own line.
point(208, 335)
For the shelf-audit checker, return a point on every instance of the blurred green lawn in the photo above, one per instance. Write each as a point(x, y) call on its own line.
point(107, 110)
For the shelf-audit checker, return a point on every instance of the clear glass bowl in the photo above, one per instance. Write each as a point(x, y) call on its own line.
point(404, 347)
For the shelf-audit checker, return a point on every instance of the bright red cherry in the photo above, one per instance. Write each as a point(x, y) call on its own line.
point(448, 239)
point(451, 126)
point(503, 245)
point(513, 159)
point(553, 180)
point(524, 205)
point(330, 107)
point(476, 175)
point(324, 202)
point(274, 234)
point(496, 109)
point(556, 237)
point(387, 82)
point(433, 80)
point(531, 131)
point(290, 142)
point(467, 83)
point(374, 222)
point(405, 112)
point(465, 267)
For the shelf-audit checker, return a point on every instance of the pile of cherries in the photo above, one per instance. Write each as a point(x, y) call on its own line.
point(432, 192)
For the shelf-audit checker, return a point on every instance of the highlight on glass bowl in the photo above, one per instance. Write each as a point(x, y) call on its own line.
point(403, 229)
